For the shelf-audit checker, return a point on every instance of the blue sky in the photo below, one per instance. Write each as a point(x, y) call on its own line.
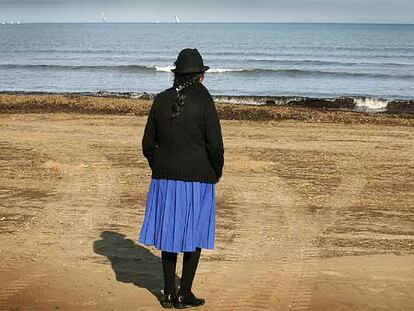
point(365, 11)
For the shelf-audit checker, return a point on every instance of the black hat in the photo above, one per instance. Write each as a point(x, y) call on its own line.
point(189, 61)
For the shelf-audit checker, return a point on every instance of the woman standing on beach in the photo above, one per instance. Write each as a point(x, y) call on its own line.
point(183, 144)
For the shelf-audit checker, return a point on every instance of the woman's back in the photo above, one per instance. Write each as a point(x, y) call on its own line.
point(188, 147)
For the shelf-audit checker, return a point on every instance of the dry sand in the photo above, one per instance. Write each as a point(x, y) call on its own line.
point(309, 216)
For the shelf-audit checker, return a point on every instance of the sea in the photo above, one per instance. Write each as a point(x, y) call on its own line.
point(369, 64)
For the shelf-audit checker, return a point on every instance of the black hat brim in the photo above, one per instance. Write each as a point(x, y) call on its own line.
point(191, 70)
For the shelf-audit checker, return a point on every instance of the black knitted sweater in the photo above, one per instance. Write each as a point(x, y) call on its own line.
point(189, 147)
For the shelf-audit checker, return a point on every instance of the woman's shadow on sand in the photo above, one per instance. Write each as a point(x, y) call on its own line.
point(131, 263)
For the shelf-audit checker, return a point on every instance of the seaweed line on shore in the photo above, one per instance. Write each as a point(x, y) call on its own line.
point(264, 109)
point(347, 103)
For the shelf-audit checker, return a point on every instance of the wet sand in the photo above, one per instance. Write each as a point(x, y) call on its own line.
point(310, 216)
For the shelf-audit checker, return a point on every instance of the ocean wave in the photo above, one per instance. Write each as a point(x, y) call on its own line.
point(211, 70)
point(351, 103)
point(224, 70)
point(313, 47)
point(78, 67)
point(323, 62)
point(288, 72)
point(71, 51)
point(308, 52)
point(293, 72)
point(148, 68)
point(163, 68)
point(366, 103)
point(406, 53)
point(230, 55)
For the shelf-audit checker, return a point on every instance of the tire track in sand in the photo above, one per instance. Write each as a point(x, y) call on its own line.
point(281, 262)
point(73, 218)
point(86, 192)
point(16, 286)
point(346, 195)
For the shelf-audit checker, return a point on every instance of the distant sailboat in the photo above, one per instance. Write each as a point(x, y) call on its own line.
point(177, 20)
point(103, 17)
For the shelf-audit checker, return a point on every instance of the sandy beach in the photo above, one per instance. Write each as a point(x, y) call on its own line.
point(314, 210)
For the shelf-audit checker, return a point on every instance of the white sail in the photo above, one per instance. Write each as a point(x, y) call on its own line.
point(177, 19)
point(103, 17)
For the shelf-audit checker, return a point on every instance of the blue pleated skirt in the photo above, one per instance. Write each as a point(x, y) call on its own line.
point(179, 216)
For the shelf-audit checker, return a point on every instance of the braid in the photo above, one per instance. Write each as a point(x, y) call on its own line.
point(181, 82)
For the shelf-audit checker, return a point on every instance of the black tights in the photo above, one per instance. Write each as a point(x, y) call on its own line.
point(169, 263)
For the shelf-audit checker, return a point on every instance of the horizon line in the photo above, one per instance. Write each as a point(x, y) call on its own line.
point(223, 22)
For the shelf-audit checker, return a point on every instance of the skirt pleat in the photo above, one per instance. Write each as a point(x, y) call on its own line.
point(179, 216)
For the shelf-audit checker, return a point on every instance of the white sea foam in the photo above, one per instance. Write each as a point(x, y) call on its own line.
point(211, 70)
point(164, 68)
point(371, 104)
point(222, 70)
point(238, 100)
point(249, 100)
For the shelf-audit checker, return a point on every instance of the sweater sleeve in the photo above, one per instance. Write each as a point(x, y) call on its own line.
point(214, 138)
point(149, 139)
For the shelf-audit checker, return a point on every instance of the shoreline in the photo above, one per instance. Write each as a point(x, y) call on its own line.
point(369, 104)
point(263, 108)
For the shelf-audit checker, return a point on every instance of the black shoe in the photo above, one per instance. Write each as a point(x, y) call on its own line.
point(188, 301)
point(167, 301)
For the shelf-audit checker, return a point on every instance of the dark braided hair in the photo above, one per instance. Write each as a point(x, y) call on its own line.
point(181, 82)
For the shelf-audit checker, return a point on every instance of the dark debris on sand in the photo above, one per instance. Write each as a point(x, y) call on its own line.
point(88, 104)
